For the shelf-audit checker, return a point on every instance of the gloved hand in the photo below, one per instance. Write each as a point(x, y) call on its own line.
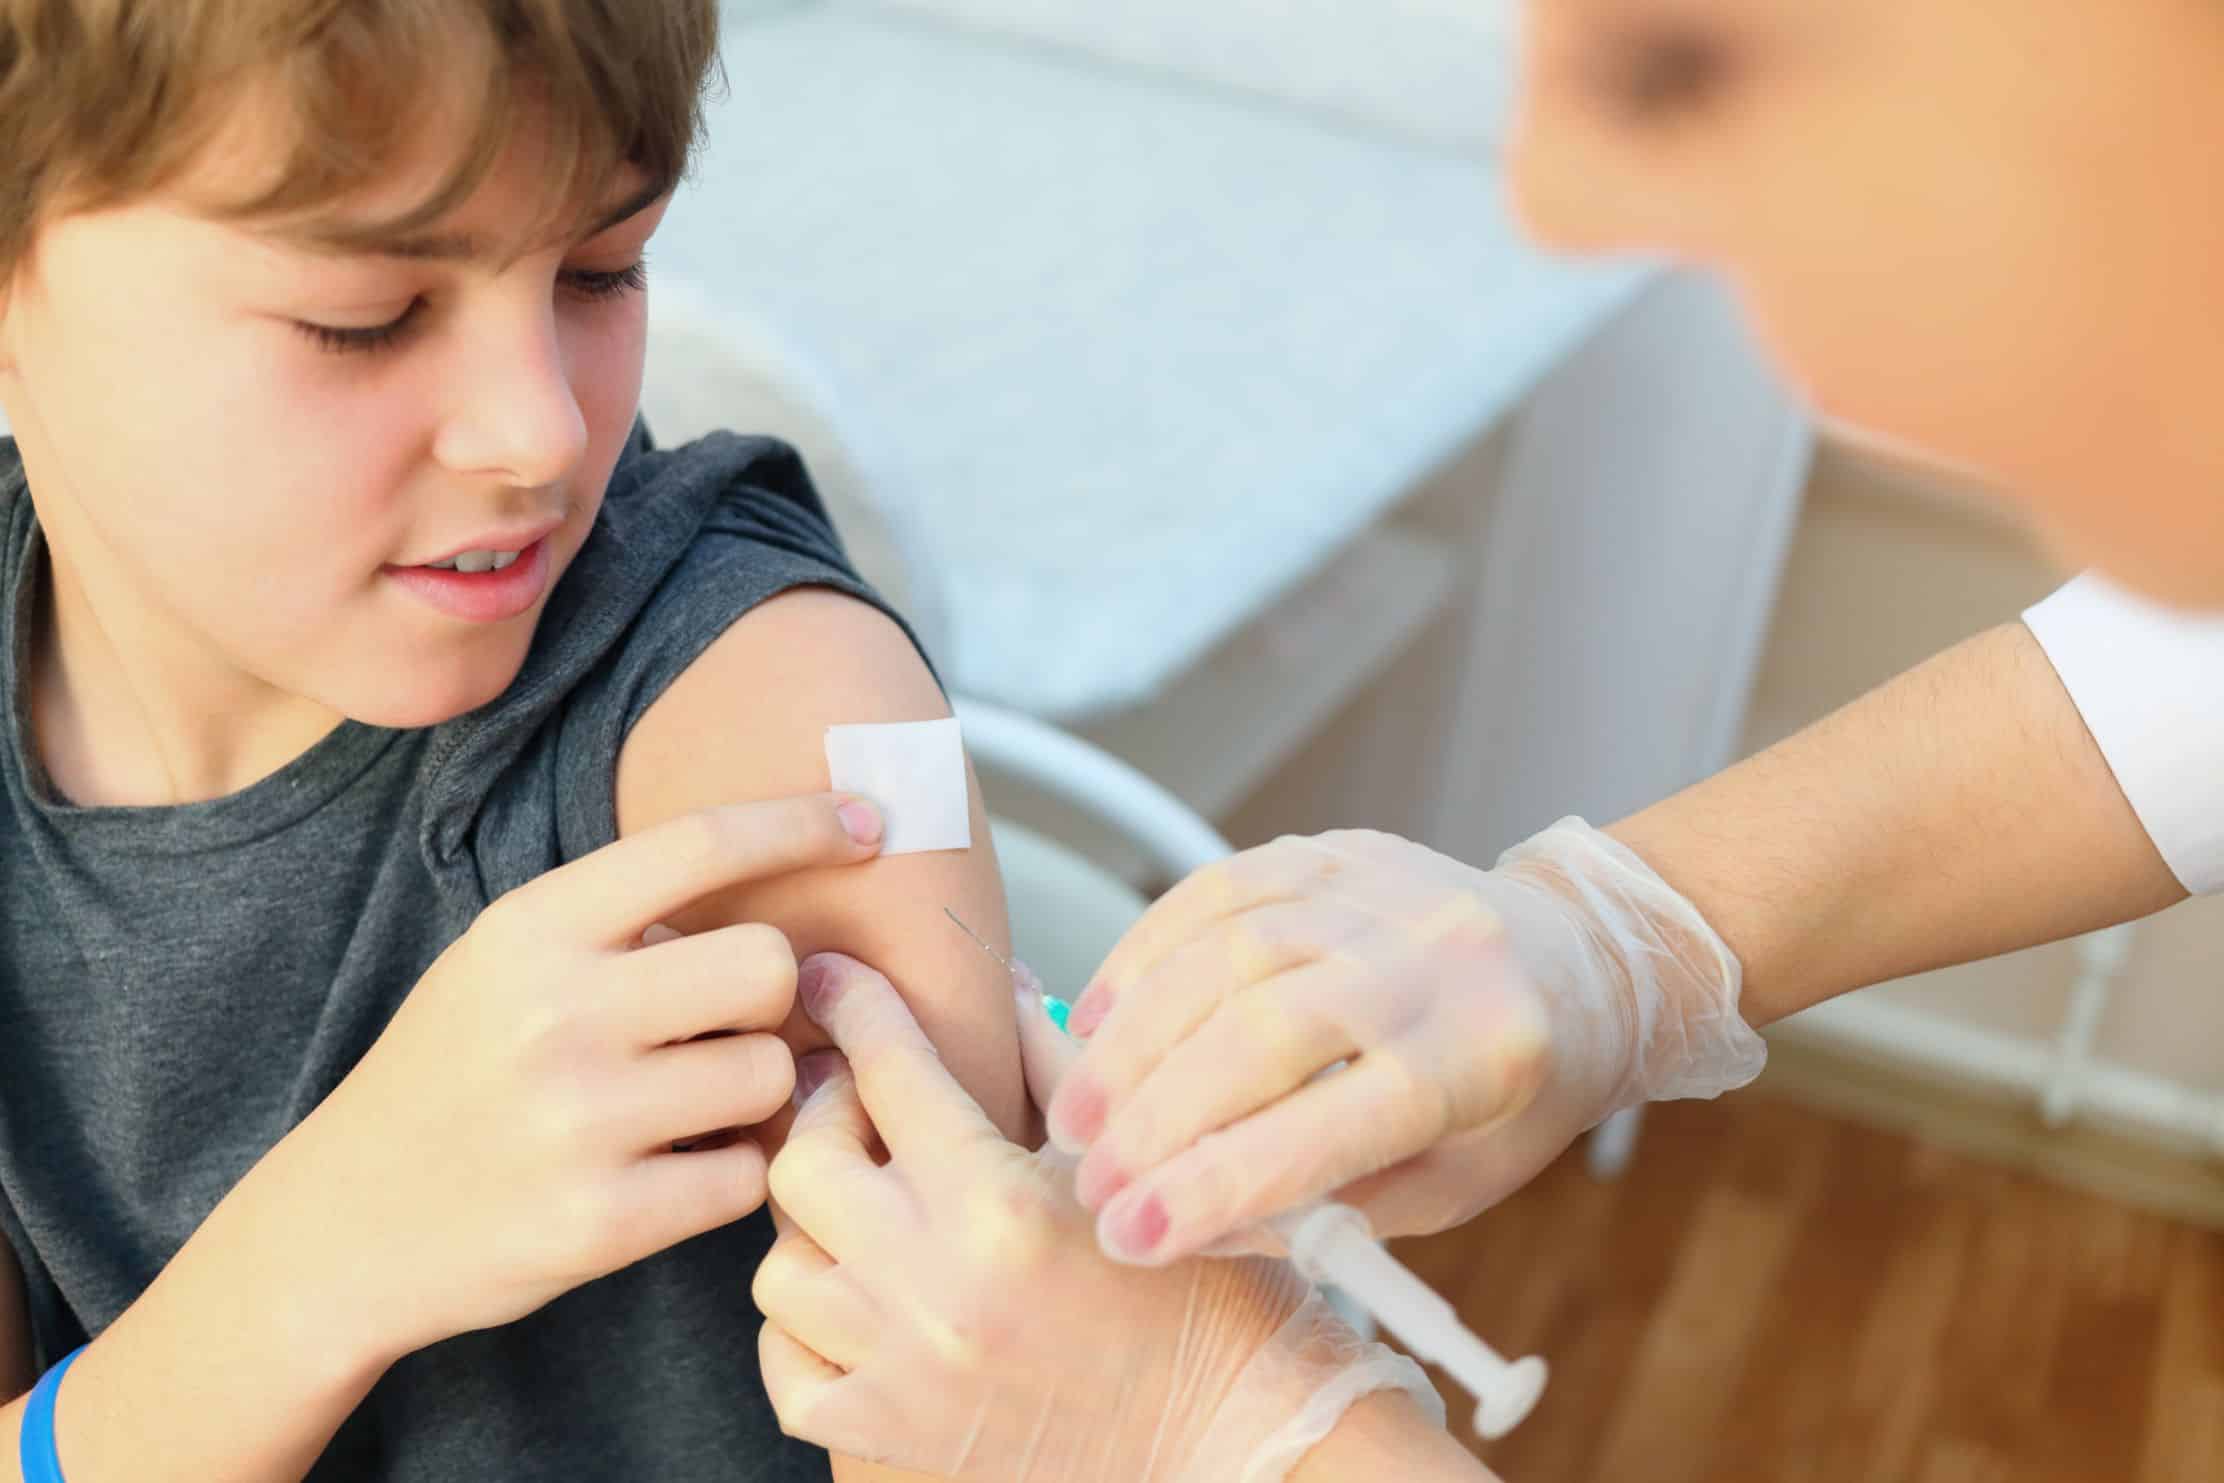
point(949, 1312)
point(1487, 1018)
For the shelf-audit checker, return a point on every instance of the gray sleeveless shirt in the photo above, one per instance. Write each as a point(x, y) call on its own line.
point(180, 986)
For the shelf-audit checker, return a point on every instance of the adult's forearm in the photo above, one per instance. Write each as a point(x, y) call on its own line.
point(1958, 811)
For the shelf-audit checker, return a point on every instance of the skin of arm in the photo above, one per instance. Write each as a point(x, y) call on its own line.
point(1958, 811)
point(748, 720)
point(252, 1393)
point(745, 720)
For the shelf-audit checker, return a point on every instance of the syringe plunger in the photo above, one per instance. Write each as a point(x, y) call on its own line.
point(1333, 1244)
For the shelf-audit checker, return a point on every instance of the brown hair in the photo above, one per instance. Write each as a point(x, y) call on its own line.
point(102, 101)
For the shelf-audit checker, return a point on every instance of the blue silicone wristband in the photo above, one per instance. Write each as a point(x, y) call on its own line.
point(41, 1462)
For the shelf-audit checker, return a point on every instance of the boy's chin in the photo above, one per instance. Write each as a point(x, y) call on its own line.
point(432, 697)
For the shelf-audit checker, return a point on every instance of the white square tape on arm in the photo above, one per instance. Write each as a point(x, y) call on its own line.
point(914, 771)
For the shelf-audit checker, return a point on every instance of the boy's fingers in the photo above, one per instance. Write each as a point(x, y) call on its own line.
point(921, 1111)
point(730, 978)
point(679, 1195)
point(614, 895)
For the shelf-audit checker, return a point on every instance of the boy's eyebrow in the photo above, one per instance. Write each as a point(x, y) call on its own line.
point(462, 246)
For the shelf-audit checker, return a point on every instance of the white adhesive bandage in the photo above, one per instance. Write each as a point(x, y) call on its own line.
point(914, 772)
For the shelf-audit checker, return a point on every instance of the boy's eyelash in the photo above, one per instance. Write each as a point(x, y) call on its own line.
point(628, 280)
point(581, 283)
point(373, 337)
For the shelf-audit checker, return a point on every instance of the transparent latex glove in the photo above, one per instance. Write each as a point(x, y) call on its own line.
point(948, 1310)
point(1487, 1018)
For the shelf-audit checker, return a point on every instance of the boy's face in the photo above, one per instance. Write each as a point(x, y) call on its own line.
point(247, 450)
point(1989, 229)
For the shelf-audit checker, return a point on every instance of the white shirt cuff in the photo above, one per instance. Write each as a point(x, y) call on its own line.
point(2149, 682)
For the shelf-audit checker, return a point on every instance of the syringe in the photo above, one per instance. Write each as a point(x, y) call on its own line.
point(1333, 1245)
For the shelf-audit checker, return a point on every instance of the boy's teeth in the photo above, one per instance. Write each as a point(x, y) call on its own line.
point(476, 561)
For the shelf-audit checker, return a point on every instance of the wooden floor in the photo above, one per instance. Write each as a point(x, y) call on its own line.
point(1770, 1294)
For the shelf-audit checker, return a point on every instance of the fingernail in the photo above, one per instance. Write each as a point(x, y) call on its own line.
point(1080, 1113)
point(1089, 1010)
point(814, 985)
point(1034, 999)
point(1098, 1180)
point(1132, 1232)
point(860, 821)
point(811, 1073)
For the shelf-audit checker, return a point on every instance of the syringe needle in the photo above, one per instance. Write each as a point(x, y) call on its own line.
point(1023, 977)
point(982, 941)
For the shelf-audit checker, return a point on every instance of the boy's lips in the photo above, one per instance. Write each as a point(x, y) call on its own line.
point(480, 597)
point(514, 539)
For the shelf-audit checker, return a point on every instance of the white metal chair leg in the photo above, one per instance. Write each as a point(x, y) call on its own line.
point(2100, 964)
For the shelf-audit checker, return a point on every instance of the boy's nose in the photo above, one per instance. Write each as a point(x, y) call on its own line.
point(517, 417)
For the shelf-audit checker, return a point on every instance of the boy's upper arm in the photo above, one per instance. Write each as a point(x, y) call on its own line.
point(15, 1328)
point(748, 720)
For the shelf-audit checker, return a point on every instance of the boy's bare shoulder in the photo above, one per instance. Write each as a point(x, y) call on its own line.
point(748, 720)
point(752, 711)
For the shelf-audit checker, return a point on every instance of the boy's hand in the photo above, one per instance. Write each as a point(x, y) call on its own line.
point(510, 1135)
